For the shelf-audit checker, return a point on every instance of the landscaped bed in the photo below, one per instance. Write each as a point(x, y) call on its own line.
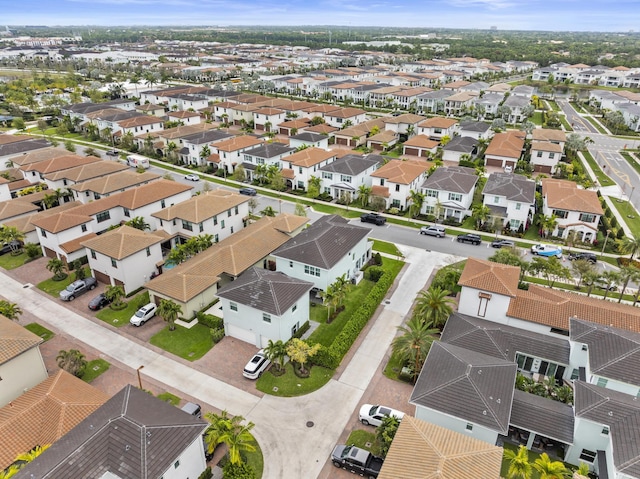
point(190, 344)
point(120, 317)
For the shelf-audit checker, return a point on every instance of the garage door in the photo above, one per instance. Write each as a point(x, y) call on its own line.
point(103, 278)
point(241, 334)
point(542, 169)
point(49, 253)
point(494, 162)
point(342, 141)
point(412, 151)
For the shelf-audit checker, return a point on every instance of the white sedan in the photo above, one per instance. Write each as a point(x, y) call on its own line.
point(374, 414)
point(256, 365)
point(192, 177)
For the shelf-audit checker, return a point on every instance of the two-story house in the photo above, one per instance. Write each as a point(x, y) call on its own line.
point(65, 178)
point(460, 147)
point(104, 186)
point(437, 127)
point(307, 138)
point(268, 119)
point(449, 192)
point(194, 144)
point(505, 149)
point(343, 177)
point(34, 172)
point(300, 166)
point(227, 154)
point(395, 180)
point(265, 155)
point(475, 129)
point(339, 118)
point(511, 199)
point(420, 145)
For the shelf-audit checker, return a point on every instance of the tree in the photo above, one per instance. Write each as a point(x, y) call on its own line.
point(219, 425)
point(169, 311)
point(433, 306)
point(57, 267)
point(32, 454)
point(300, 352)
point(417, 200)
point(18, 124)
point(10, 310)
point(480, 213)
point(329, 299)
point(300, 210)
point(615, 121)
point(80, 271)
point(629, 245)
point(549, 469)
point(13, 236)
point(205, 153)
point(138, 223)
point(268, 211)
point(627, 273)
point(580, 268)
point(42, 125)
point(385, 433)
point(313, 190)
point(276, 352)
point(364, 193)
point(239, 439)
point(239, 174)
point(115, 295)
point(610, 280)
point(413, 345)
point(519, 465)
point(547, 224)
point(72, 361)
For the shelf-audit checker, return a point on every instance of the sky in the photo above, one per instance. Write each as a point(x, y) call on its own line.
point(555, 15)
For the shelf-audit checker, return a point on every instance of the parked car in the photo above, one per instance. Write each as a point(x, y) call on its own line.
point(356, 460)
point(98, 302)
point(192, 177)
point(502, 243)
point(374, 218)
point(546, 250)
point(11, 246)
point(433, 230)
point(469, 238)
point(372, 415)
point(144, 314)
point(590, 257)
point(112, 153)
point(193, 409)
point(256, 365)
point(248, 191)
point(77, 288)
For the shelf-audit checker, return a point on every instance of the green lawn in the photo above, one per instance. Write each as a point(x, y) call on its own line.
point(565, 123)
point(536, 118)
point(121, 317)
point(94, 369)
point(9, 261)
point(631, 160)
point(170, 398)
point(41, 331)
point(553, 105)
point(393, 367)
point(361, 438)
point(630, 215)
point(596, 125)
point(385, 247)
point(255, 459)
point(290, 385)
point(53, 288)
point(190, 344)
point(603, 179)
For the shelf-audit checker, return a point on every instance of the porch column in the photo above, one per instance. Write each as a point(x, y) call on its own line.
point(532, 438)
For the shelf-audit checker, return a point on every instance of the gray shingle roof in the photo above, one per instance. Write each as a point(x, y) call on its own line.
point(352, 164)
point(465, 144)
point(269, 150)
point(468, 385)
point(133, 435)
point(24, 147)
point(613, 353)
point(471, 125)
point(456, 179)
point(619, 411)
point(324, 243)
point(269, 291)
point(207, 136)
point(544, 416)
point(514, 187)
point(309, 136)
point(502, 341)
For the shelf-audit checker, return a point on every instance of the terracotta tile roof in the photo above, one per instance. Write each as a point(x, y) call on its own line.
point(60, 163)
point(345, 113)
point(76, 243)
point(507, 144)
point(122, 242)
point(383, 191)
point(322, 128)
point(6, 139)
point(409, 118)
point(309, 157)
point(545, 134)
point(421, 141)
point(322, 109)
point(488, 276)
point(202, 207)
point(45, 413)
point(19, 184)
point(63, 220)
point(438, 122)
point(232, 256)
point(15, 340)
point(88, 171)
point(115, 182)
point(268, 111)
point(565, 195)
point(237, 143)
point(288, 173)
point(424, 450)
point(40, 155)
point(182, 114)
point(401, 171)
point(180, 131)
point(545, 146)
point(16, 207)
point(386, 136)
point(297, 123)
point(139, 121)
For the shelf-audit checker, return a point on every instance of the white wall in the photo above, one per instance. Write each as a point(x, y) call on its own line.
point(192, 462)
point(20, 374)
point(455, 424)
point(588, 435)
point(496, 307)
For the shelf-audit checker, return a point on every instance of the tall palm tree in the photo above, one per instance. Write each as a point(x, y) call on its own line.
point(239, 439)
point(329, 298)
point(548, 224)
point(364, 193)
point(629, 245)
point(72, 361)
point(627, 273)
point(114, 294)
point(138, 223)
point(417, 200)
point(549, 469)
point(519, 465)
point(268, 211)
point(10, 310)
point(276, 352)
point(341, 286)
point(610, 278)
point(57, 267)
point(169, 311)
point(220, 424)
point(433, 306)
point(480, 213)
point(205, 153)
point(414, 343)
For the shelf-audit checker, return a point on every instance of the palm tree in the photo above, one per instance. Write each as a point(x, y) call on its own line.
point(33, 453)
point(114, 294)
point(276, 352)
point(299, 351)
point(341, 287)
point(260, 173)
point(480, 213)
point(329, 298)
point(364, 193)
point(313, 189)
point(57, 267)
point(138, 223)
point(519, 465)
point(9, 472)
point(169, 311)
point(610, 278)
point(414, 344)
point(10, 310)
point(627, 273)
point(13, 236)
point(171, 150)
point(548, 224)
point(72, 361)
point(220, 424)
point(629, 245)
point(205, 153)
point(239, 439)
point(549, 469)
point(434, 306)
point(417, 200)
point(268, 211)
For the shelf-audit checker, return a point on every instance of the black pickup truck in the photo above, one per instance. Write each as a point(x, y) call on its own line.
point(356, 460)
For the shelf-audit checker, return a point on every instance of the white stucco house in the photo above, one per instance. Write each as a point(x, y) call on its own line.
point(511, 198)
point(449, 192)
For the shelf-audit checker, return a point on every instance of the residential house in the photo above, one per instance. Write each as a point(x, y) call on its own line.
point(262, 306)
point(45, 413)
point(437, 127)
point(344, 177)
point(151, 109)
point(519, 108)
point(104, 186)
point(145, 437)
point(511, 199)
point(184, 117)
point(396, 180)
point(459, 103)
point(227, 154)
point(195, 143)
point(65, 178)
point(268, 119)
point(21, 363)
point(576, 209)
point(125, 256)
point(293, 126)
point(186, 101)
point(307, 138)
point(35, 172)
point(545, 156)
point(433, 101)
point(487, 105)
point(15, 209)
point(523, 91)
point(460, 148)
point(12, 147)
point(383, 141)
point(300, 166)
point(345, 116)
point(505, 149)
point(475, 129)
point(326, 250)
point(420, 145)
point(25, 225)
point(405, 124)
point(139, 126)
point(264, 156)
point(449, 192)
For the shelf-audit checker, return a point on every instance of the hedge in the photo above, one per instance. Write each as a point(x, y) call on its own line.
point(210, 321)
point(332, 356)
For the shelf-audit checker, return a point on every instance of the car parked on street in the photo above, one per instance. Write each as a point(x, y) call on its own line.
point(192, 177)
point(256, 365)
point(78, 288)
point(433, 230)
point(372, 415)
point(469, 238)
point(248, 191)
point(98, 302)
point(144, 314)
point(374, 218)
point(590, 257)
point(546, 250)
point(502, 243)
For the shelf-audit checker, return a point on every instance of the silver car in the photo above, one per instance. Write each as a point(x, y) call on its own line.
point(433, 230)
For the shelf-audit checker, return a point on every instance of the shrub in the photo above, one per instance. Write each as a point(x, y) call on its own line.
point(241, 470)
point(33, 250)
point(206, 474)
point(374, 273)
point(377, 259)
point(303, 329)
point(216, 334)
point(210, 321)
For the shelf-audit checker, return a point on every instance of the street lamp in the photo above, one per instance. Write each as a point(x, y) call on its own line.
point(633, 188)
point(139, 379)
point(605, 242)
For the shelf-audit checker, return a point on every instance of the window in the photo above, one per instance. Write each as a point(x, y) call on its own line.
point(222, 224)
point(83, 228)
point(236, 210)
point(231, 230)
point(327, 176)
point(260, 161)
point(176, 464)
point(290, 264)
point(395, 204)
point(518, 206)
point(293, 309)
point(496, 199)
point(104, 216)
point(93, 254)
point(266, 317)
point(455, 197)
point(114, 263)
point(482, 305)
point(215, 220)
point(469, 426)
point(551, 156)
point(602, 382)
point(575, 374)
point(200, 227)
point(233, 306)
point(127, 212)
point(311, 270)
point(560, 213)
point(437, 130)
point(247, 158)
point(605, 431)
point(294, 329)
point(215, 238)
point(162, 204)
point(431, 193)
point(381, 181)
point(96, 196)
point(187, 225)
point(587, 218)
point(228, 213)
point(397, 187)
point(300, 170)
point(148, 251)
point(539, 154)
point(587, 456)
point(430, 210)
point(345, 178)
point(584, 347)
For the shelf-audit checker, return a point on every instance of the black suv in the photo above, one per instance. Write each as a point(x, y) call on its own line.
point(590, 257)
point(469, 238)
point(374, 218)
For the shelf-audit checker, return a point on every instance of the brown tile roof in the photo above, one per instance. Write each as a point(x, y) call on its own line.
point(488, 276)
point(322, 128)
point(122, 242)
point(545, 134)
point(421, 141)
point(309, 157)
point(345, 113)
point(404, 118)
point(76, 243)
point(139, 121)
point(537, 145)
point(296, 123)
point(565, 195)
point(386, 136)
point(25, 223)
point(182, 114)
point(16, 207)
point(8, 139)
point(269, 111)
point(401, 171)
point(180, 131)
point(40, 155)
point(322, 109)
point(202, 207)
point(115, 182)
point(87, 172)
point(19, 184)
point(288, 173)
point(424, 450)
point(60, 163)
point(15, 340)
point(438, 122)
point(45, 413)
point(237, 143)
point(232, 256)
point(507, 144)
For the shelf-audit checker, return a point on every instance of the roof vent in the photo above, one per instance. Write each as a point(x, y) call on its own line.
point(148, 433)
point(127, 447)
point(484, 413)
point(610, 413)
point(498, 400)
point(479, 371)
